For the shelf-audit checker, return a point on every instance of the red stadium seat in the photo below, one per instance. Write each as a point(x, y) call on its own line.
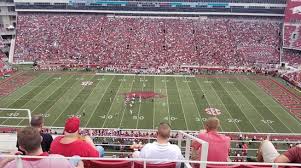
point(108, 164)
point(163, 165)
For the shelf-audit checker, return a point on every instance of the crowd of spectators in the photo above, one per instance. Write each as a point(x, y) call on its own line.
point(294, 78)
point(126, 43)
point(35, 141)
point(291, 37)
point(292, 57)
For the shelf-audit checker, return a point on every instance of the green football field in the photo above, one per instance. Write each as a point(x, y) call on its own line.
point(184, 102)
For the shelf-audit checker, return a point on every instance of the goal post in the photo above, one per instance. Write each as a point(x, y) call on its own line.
point(13, 113)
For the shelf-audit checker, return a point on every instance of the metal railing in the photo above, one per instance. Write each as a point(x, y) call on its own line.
point(187, 163)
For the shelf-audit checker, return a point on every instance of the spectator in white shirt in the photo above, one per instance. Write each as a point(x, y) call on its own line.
point(161, 148)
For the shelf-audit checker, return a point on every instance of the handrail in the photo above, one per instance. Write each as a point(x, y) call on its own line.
point(162, 160)
point(154, 130)
point(204, 149)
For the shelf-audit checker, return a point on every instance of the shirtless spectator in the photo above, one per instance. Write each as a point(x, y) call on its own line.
point(73, 144)
point(219, 145)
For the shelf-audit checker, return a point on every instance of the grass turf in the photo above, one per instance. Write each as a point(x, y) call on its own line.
point(245, 107)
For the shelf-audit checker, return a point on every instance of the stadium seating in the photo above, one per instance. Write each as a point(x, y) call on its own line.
point(292, 57)
point(163, 165)
point(294, 78)
point(288, 40)
point(127, 43)
point(108, 164)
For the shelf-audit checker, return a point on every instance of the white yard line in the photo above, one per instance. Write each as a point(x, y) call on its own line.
point(88, 97)
point(183, 111)
point(24, 92)
point(267, 107)
point(253, 106)
point(112, 103)
point(63, 110)
point(237, 105)
point(291, 115)
point(195, 104)
point(167, 101)
point(140, 105)
point(18, 91)
point(99, 102)
point(197, 81)
point(121, 121)
point(47, 96)
point(59, 99)
point(22, 96)
point(154, 104)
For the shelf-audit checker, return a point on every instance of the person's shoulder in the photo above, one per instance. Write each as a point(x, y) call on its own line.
point(46, 136)
point(58, 138)
point(175, 147)
point(202, 135)
point(149, 145)
point(225, 137)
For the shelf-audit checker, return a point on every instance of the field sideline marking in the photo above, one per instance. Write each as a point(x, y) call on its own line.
point(59, 99)
point(224, 105)
point(279, 104)
point(167, 101)
point(237, 105)
point(123, 111)
point(140, 104)
point(112, 102)
point(267, 107)
point(252, 106)
point(195, 104)
point(22, 96)
point(46, 98)
point(197, 81)
point(99, 101)
point(70, 101)
point(183, 111)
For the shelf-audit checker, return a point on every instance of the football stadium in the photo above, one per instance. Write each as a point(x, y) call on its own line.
point(150, 83)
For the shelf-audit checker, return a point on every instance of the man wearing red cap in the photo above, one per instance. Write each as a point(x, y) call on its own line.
point(72, 143)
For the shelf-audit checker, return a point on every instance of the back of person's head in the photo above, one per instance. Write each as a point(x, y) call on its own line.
point(72, 125)
point(212, 124)
point(164, 130)
point(29, 139)
point(37, 121)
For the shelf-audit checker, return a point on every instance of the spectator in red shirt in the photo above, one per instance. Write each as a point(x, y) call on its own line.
point(219, 145)
point(72, 143)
